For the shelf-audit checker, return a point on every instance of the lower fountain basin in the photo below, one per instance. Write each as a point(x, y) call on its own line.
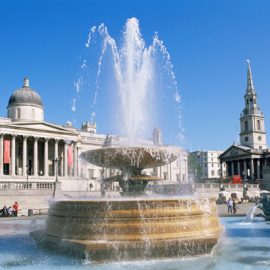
point(132, 228)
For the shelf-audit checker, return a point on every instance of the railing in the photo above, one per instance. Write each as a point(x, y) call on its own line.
point(26, 185)
point(226, 186)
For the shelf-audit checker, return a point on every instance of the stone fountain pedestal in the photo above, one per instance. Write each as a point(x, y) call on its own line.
point(131, 229)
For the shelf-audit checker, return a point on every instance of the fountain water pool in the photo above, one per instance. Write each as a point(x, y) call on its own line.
point(242, 246)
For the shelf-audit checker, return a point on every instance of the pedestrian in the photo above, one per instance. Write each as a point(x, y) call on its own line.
point(234, 207)
point(15, 207)
point(230, 205)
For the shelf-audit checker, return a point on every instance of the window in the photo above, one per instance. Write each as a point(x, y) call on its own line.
point(246, 139)
point(33, 114)
point(91, 173)
point(259, 138)
point(212, 164)
point(165, 176)
point(18, 113)
point(246, 125)
point(213, 173)
point(258, 125)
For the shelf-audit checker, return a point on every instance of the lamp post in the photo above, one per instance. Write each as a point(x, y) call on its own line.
point(26, 175)
point(56, 176)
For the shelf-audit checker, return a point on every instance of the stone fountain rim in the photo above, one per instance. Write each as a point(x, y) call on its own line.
point(132, 199)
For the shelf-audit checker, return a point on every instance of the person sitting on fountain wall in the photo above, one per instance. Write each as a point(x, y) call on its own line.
point(230, 205)
point(4, 211)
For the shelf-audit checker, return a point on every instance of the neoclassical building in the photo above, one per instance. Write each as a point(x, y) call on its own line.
point(33, 150)
point(249, 157)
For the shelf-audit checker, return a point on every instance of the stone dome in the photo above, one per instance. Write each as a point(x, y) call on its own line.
point(25, 96)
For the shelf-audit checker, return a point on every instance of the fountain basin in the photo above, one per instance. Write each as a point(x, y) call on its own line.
point(132, 228)
point(127, 158)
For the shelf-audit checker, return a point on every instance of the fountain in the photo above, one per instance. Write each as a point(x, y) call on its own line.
point(132, 226)
point(250, 214)
point(264, 205)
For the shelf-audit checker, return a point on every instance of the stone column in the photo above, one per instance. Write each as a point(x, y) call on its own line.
point(35, 156)
point(65, 159)
point(24, 155)
point(79, 162)
point(75, 154)
point(55, 156)
point(13, 155)
point(251, 169)
point(245, 169)
point(238, 168)
point(46, 147)
point(1, 153)
point(227, 169)
point(258, 169)
point(232, 168)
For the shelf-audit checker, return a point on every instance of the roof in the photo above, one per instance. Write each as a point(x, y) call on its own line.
point(25, 96)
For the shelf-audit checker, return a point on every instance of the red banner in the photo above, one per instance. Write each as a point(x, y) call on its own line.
point(6, 151)
point(70, 156)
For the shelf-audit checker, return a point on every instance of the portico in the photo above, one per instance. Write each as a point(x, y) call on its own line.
point(243, 161)
point(37, 156)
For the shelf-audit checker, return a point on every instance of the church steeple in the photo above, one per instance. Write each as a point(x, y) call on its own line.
point(252, 133)
point(250, 96)
point(250, 86)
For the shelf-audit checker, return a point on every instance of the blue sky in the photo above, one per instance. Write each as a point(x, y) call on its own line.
point(209, 42)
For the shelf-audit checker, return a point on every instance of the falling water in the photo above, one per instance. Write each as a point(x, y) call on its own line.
point(137, 72)
point(250, 214)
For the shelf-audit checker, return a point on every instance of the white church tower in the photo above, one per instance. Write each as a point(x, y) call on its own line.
point(252, 133)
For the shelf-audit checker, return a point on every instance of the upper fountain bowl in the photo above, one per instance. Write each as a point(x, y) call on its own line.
point(123, 158)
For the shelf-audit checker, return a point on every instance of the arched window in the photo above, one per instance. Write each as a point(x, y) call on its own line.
point(246, 125)
point(33, 114)
point(18, 113)
point(258, 125)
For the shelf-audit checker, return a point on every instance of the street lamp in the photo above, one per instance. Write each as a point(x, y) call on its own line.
point(56, 169)
point(26, 166)
point(56, 176)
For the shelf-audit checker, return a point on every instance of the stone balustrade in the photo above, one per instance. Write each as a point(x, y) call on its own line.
point(26, 185)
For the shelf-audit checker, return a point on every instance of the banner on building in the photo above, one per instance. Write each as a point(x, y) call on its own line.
point(70, 156)
point(6, 151)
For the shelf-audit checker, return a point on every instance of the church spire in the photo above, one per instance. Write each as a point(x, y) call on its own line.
point(250, 86)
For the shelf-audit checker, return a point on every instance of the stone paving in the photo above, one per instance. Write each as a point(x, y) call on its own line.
point(242, 210)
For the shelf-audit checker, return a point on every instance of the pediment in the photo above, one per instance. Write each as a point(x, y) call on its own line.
point(235, 151)
point(40, 127)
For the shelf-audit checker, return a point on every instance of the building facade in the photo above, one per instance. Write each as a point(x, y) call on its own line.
point(205, 165)
point(252, 154)
point(32, 149)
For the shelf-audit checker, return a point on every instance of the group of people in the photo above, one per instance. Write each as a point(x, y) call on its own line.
point(232, 208)
point(11, 211)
